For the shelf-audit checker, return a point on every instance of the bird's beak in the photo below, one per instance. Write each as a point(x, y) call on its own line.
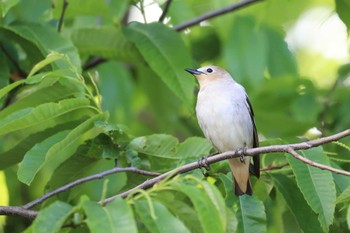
point(194, 72)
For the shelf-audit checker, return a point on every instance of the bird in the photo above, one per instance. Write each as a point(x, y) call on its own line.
point(226, 117)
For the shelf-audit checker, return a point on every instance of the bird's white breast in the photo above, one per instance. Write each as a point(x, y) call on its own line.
point(224, 117)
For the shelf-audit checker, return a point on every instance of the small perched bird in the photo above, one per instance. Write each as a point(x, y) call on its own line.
point(226, 118)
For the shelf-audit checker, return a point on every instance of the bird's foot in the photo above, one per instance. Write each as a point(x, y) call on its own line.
point(203, 163)
point(242, 154)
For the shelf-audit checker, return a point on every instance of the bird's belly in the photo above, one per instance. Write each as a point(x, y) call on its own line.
point(227, 128)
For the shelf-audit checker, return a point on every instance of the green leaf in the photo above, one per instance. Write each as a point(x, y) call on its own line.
point(18, 144)
point(117, 92)
point(34, 79)
point(40, 117)
point(158, 145)
point(343, 8)
point(245, 51)
point(121, 215)
point(58, 148)
point(208, 214)
point(344, 196)
point(306, 218)
point(64, 149)
point(252, 216)
point(47, 91)
point(5, 6)
point(35, 157)
point(98, 219)
point(193, 147)
point(106, 42)
point(166, 54)
point(316, 185)
point(46, 39)
point(52, 218)
point(163, 220)
point(82, 7)
point(280, 59)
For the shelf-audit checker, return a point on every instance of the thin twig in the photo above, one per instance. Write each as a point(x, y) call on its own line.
point(18, 211)
point(86, 179)
point(64, 8)
point(248, 152)
point(314, 164)
point(212, 14)
point(165, 11)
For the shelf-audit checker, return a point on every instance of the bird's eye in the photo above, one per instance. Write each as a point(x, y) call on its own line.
point(209, 70)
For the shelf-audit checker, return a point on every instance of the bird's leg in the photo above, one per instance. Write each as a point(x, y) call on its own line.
point(203, 163)
point(242, 152)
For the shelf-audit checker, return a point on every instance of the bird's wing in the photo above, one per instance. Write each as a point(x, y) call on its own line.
point(256, 158)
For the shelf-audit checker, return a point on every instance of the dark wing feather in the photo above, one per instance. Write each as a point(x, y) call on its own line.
point(256, 158)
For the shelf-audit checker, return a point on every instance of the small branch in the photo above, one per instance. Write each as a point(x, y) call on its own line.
point(249, 152)
point(314, 164)
point(18, 211)
point(64, 8)
point(271, 167)
point(86, 179)
point(213, 14)
point(165, 11)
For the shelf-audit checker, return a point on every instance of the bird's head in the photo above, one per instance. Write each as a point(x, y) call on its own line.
point(209, 74)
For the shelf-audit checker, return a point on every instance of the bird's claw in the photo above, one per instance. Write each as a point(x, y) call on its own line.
point(203, 163)
point(242, 152)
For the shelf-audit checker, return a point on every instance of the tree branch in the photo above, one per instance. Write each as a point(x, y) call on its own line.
point(289, 148)
point(86, 179)
point(19, 211)
point(314, 164)
point(64, 8)
point(212, 14)
point(165, 11)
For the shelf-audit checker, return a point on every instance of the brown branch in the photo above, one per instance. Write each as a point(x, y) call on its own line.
point(64, 8)
point(165, 11)
point(212, 14)
point(18, 211)
point(248, 152)
point(86, 179)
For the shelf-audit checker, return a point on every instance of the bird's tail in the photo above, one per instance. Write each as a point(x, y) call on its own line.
point(238, 190)
point(240, 172)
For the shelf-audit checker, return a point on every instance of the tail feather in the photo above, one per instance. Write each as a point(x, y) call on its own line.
point(238, 190)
